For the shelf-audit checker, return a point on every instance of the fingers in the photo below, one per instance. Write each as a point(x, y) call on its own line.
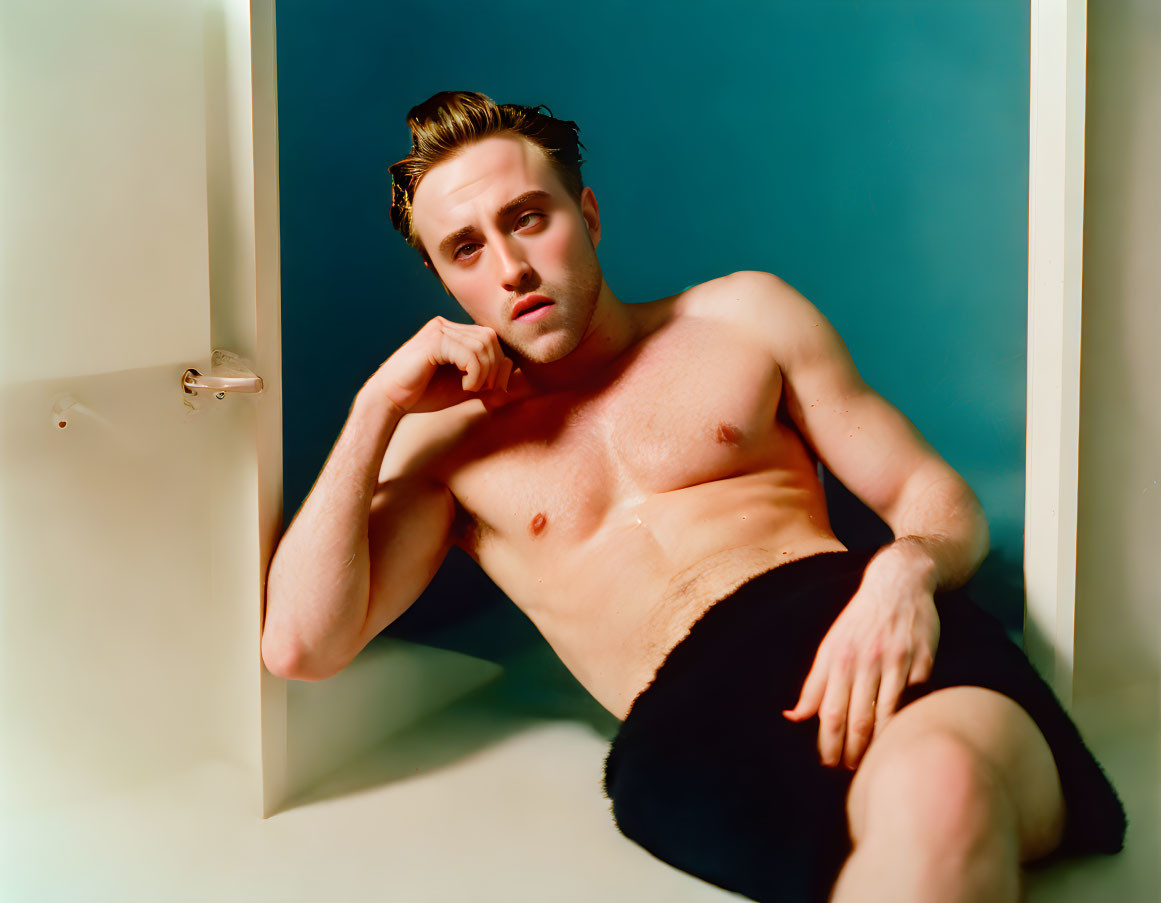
point(832, 713)
point(812, 690)
point(861, 719)
point(921, 665)
point(858, 677)
point(476, 352)
point(875, 697)
point(891, 685)
point(847, 700)
point(827, 691)
point(505, 373)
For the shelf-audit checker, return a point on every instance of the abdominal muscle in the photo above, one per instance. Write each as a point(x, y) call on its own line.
point(613, 606)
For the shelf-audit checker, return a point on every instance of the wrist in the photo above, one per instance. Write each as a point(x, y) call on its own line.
point(908, 558)
point(374, 400)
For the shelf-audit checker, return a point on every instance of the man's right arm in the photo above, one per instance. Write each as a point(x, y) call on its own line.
point(371, 534)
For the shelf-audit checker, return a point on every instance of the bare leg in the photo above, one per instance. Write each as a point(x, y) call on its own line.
point(957, 791)
point(938, 827)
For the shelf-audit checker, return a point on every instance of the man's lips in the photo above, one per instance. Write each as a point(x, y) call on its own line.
point(529, 306)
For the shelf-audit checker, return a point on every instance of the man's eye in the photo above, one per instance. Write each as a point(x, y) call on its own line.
point(461, 249)
point(526, 215)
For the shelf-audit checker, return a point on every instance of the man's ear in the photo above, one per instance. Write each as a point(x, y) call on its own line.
point(591, 214)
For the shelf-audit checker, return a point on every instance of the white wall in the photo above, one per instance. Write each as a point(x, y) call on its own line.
point(1118, 610)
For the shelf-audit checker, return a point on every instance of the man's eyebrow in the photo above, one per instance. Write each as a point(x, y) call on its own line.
point(537, 194)
point(451, 240)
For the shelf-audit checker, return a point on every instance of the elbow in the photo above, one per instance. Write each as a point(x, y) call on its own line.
point(281, 655)
point(281, 660)
point(291, 661)
point(286, 652)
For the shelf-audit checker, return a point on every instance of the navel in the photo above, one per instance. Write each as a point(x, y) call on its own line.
point(728, 433)
point(536, 527)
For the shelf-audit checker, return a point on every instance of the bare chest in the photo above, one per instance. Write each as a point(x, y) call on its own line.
point(694, 405)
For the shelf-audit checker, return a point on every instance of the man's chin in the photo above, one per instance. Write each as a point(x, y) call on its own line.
point(541, 355)
point(546, 349)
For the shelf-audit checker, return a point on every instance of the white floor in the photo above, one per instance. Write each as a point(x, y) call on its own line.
point(488, 801)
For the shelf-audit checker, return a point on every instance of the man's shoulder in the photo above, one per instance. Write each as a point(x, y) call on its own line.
point(757, 301)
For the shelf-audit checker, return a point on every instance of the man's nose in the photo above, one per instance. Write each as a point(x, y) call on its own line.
point(514, 266)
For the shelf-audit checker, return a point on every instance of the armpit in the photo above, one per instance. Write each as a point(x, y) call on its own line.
point(468, 531)
point(784, 417)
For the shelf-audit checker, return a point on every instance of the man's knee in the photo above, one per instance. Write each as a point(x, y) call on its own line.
point(1007, 740)
point(939, 822)
point(938, 789)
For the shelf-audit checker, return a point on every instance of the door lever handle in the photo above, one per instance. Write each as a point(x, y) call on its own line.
point(192, 379)
point(227, 373)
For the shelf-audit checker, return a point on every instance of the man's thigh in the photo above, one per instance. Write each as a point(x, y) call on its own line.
point(1001, 732)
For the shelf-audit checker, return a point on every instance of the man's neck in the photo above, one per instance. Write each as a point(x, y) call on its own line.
point(612, 330)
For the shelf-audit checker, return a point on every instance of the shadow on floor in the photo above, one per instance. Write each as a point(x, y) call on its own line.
point(534, 688)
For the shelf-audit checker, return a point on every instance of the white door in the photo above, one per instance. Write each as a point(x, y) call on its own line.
point(139, 233)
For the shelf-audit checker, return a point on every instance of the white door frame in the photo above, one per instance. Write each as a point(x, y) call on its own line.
point(262, 80)
point(1055, 247)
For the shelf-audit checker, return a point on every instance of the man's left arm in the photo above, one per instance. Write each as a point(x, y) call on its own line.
point(886, 637)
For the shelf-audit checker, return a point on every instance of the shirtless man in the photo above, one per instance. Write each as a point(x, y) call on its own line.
point(619, 469)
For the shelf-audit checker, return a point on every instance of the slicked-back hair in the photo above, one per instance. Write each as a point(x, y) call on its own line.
point(448, 121)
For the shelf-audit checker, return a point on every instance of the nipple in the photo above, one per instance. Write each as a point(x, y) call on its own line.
point(728, 433)
point(538, 524)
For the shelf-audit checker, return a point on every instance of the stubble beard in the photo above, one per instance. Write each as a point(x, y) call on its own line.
point(575, 301)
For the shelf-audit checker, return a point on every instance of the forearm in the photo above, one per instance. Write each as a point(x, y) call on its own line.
point(941, 539)
point(318, 585)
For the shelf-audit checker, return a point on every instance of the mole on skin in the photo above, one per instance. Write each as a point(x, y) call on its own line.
point(538, 524)
point(727, 432)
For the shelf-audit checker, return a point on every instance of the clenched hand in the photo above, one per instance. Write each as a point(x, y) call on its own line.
point(443, 364)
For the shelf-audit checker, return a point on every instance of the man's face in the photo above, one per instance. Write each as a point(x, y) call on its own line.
point(499, 227)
